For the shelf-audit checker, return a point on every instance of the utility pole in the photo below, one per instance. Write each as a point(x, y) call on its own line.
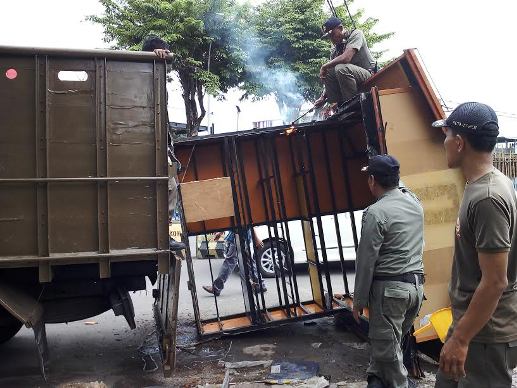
point(208, 94)
point(238, 112)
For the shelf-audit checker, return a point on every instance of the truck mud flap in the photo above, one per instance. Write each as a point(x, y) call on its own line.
point(166, 313)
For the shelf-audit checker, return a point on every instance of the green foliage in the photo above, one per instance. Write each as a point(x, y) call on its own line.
point(274, 48)
point(288, 42)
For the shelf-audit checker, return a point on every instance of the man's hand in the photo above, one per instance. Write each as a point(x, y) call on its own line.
point(323, 71)
point(356, 312)
point(161, 53)
point(218, 235)
point(452, 358)
point(319, 102)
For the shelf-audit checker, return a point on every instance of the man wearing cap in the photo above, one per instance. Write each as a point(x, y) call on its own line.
point(350, 65)
point(481, 345)
point(389, 270)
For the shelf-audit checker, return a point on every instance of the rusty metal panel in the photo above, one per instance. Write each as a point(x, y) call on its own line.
point(344, 145)
point(83, 160)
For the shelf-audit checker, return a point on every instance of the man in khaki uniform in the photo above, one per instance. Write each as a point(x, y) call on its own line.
point(350, 64)
point(389, 270)
point(481, 346)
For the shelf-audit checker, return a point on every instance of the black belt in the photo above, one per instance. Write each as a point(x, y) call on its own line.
point(405, 277)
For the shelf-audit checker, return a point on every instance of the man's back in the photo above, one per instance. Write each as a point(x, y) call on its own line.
point(401, 218)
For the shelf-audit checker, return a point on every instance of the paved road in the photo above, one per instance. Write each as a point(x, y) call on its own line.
point(104, 349)
point(231, 299)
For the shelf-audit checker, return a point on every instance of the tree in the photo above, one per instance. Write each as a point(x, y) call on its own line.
point(286, 52)
point(193, 29)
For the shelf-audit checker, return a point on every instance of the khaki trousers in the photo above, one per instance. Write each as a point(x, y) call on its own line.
point(393, 307)
point(486, 366)
point(343, 81)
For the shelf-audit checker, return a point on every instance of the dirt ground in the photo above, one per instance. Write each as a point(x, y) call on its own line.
point(103, 352)
point(129, 359)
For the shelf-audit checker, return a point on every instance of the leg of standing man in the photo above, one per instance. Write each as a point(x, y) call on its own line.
point(393, 308)
point(231, 260)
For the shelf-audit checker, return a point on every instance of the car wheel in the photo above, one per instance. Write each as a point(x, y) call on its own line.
point(267, 264)
point(9, 326)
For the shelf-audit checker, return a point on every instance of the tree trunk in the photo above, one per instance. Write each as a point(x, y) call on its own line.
point(192, 96)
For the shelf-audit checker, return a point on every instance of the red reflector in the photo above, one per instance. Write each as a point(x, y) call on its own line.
point(11, 74)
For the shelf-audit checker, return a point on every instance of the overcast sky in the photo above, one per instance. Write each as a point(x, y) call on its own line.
point(467, 47)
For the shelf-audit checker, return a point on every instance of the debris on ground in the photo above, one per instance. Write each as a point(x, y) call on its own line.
point(357, 345)
point(262, 350)
point(94, 384)
point(149, 351)
point(246, 364)
point(283, 372)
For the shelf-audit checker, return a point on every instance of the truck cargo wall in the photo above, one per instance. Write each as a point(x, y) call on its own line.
point(83, 157)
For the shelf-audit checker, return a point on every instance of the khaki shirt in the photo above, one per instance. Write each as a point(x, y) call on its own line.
point(392, 241)
point(486, 223)
point(363, 57)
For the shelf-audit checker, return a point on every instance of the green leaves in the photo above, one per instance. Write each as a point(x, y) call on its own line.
point(274, 48)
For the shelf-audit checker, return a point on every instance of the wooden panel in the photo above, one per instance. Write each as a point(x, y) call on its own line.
point(419, 149)
point(208, 199)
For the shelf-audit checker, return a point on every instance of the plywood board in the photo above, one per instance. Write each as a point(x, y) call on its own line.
point(207, 199)
point(419, 149)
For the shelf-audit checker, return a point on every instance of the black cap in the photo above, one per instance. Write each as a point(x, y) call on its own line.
point(382, 165)
point(472, 117)
point(329, 25)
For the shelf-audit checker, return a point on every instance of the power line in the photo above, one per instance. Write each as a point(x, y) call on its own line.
point(499, 113)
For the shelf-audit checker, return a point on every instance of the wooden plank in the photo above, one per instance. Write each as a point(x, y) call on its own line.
point(207, 199)
point(104, 269)
point(424, 170)
point(45, 272)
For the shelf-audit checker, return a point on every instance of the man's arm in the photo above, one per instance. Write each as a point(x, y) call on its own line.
point(367, 255)
point(256, 239)
point(321, 100)
point(483, 304)
point(346, 57)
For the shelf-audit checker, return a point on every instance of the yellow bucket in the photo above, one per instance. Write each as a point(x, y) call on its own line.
point(440, 320)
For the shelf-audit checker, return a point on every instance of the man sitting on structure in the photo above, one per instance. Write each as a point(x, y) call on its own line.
point(350, 65)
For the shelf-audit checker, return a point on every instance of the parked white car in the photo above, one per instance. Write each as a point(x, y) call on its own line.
point(271, 244)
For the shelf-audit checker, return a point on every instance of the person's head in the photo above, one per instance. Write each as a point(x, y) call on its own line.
point(333, 29)
point(152, 43)
point(470, 130)
point(383, 174)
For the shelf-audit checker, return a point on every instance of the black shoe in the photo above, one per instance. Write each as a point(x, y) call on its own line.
point(211, 290)
point(176, 245)
point(374, 382)
point(256, 288)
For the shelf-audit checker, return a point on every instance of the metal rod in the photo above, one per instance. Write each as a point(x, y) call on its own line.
point(303, 173)
point(278, 246)
point(302, 116)
point(250, 219)
point(226, 164)
point(280, 196)
point(328, 170)
point(270, 218)
point(318, 217)
point(246, 258)
point(196, 177)
point(348, 188)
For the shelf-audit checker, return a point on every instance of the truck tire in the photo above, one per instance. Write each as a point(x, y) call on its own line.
point(265, 258)
point(9, 325)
